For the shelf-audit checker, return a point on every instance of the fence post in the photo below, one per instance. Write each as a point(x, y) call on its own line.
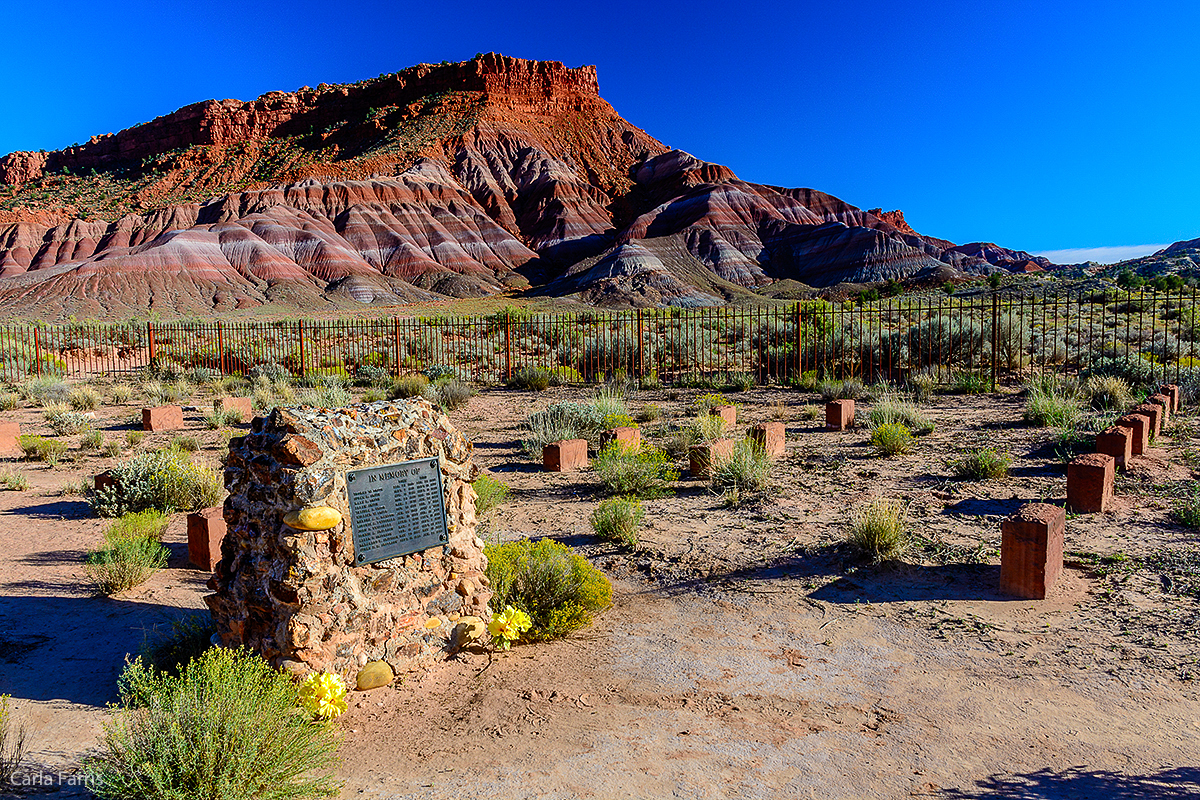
point(507, 344)
point(995, 336)
point(799, 345)
point(641, 359)
point(150, 340)
point(220, 347)
point(300, 323)
point(396, 342)
point(37, 351)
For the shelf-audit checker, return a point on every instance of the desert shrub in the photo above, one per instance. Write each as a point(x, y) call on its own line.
point(453, 393)
point(922, 384)
point(154, 392)
point(44, 391)
point(747, 469)
point(610, 400)
point(650, 413)
point(618, 421)
point(13, 481)
point(372, 375)
point(79, 487)
point(566, 420)
point(891, 409)
point(707, 402)
point(1108, 393)
point(533, 379)
point(218, 418)
point(225, 728)
point(188, 444)
point(166, 480)
point(879, 529)
point(185, 639)
point(129, 556)
point(91, 440)
point(12, 743)
point(374, 395)
point(407, 386)
point(965, 381)
point(39, 448)
point(618, 519)
point(849, 389)
point(134, 438)
point(9, 401)
point(708, 427)
point(489, 493)
point(151, 524)
point(740, 382)
point(272, 372)
point(1187, 510)
point(984, 463)
point(66, 423)
point(326, 395)
point(678, 439)
point(83, 398)
point(892, 439)
point(554, 585)
point(640, 472)
point(112, 449)
point(1050, 405)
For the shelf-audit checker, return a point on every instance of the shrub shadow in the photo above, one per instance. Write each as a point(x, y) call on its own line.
point(1076, 782)
point(58, 509)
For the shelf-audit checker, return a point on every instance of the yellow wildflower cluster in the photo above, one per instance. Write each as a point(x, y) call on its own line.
point(323, 695)
point(507, 626)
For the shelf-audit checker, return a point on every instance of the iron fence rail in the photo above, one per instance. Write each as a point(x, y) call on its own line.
point(994, 337)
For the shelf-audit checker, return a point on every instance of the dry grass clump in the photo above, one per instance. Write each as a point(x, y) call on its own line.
point(984, 463)
point(489, 493)
point(892, 439)
point(1108, 393)
point(132, 552)
point(618, 519)
point(12, 743)
point(1053, 404)
point(747, 469)
point(892, 408)
point(84, 398)
point(879, 529)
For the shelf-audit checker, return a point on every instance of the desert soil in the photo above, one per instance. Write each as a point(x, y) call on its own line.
point(748, 652)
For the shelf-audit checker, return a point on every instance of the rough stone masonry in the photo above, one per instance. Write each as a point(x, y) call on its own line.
point(297, 596)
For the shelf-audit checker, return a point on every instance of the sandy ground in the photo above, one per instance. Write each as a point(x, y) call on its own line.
point(747, 653)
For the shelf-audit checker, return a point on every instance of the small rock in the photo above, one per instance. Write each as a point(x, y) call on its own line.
point(374, 675)
point(468, 629)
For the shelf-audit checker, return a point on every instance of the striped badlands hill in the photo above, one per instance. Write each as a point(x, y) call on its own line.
point(460, 180)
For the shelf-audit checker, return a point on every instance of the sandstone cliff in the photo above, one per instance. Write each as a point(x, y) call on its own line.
point(490, 175)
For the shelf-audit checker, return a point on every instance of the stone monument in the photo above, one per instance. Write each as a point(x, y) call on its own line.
point(351, 538)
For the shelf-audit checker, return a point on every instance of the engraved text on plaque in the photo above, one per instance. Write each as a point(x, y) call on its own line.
point(396, 509)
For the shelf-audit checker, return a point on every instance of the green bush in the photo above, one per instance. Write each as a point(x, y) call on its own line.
point(610, 401)
point(225, 728)
point(188, 444)
point(151, 524)
point(566, 420)
point(12, 743)
point(554, 585)
point(166, 480)
point(129, 557)
point(1187, 511)
point(635, 472)
point(66, 423)
point(1108, 393)
point(748, 469)
point(453, 393)
point(650, 413)
point(968, 382)
point(221, 419)
point(1051, 405)
point(374, 395)
point(985, 463)
point(489, 493)
point(9, 401)
point(849, 389)
point(879, 529)
point(891, 409)
point(922, 384)
point(708, 427)
point(39, 448)
point(13, 481)
point(740, 381)
point(892, 439)
point(618, 519)
point(134, 438)
point(705, 403)
point(407, 386)
point(91, 440)
point(44, 391)
point(532, 379)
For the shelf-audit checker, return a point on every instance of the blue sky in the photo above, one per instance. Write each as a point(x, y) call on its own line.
point(1038, 125)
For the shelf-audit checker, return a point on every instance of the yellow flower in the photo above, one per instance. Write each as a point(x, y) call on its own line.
point(323, 695)
point(507, 626)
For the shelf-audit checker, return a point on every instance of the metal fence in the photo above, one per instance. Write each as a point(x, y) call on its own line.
point(990, 337)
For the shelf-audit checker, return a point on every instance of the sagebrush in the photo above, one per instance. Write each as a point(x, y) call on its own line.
point(558, 588)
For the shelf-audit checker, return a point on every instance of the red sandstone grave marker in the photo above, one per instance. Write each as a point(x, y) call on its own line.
point(1090, 483)
point(162, 418)
point(1117, 442)
point(839, 414)
point(567, 455)
point(702, 457)
point(240, 404)
point(10, 439)
point(727, 413)
point(1031, 550)
point(1139, 426)
point(206, 529)
point(770, 436)
point(627, 436)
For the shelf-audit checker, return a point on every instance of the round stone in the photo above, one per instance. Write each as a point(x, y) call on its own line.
point(315, 518)
point(374, 675)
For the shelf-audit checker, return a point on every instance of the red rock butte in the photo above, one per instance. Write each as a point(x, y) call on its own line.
point(453, 180)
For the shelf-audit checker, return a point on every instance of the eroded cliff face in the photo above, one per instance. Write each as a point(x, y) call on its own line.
point(442, 180)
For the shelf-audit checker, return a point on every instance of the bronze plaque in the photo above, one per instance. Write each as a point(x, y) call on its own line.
point(396, 509)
